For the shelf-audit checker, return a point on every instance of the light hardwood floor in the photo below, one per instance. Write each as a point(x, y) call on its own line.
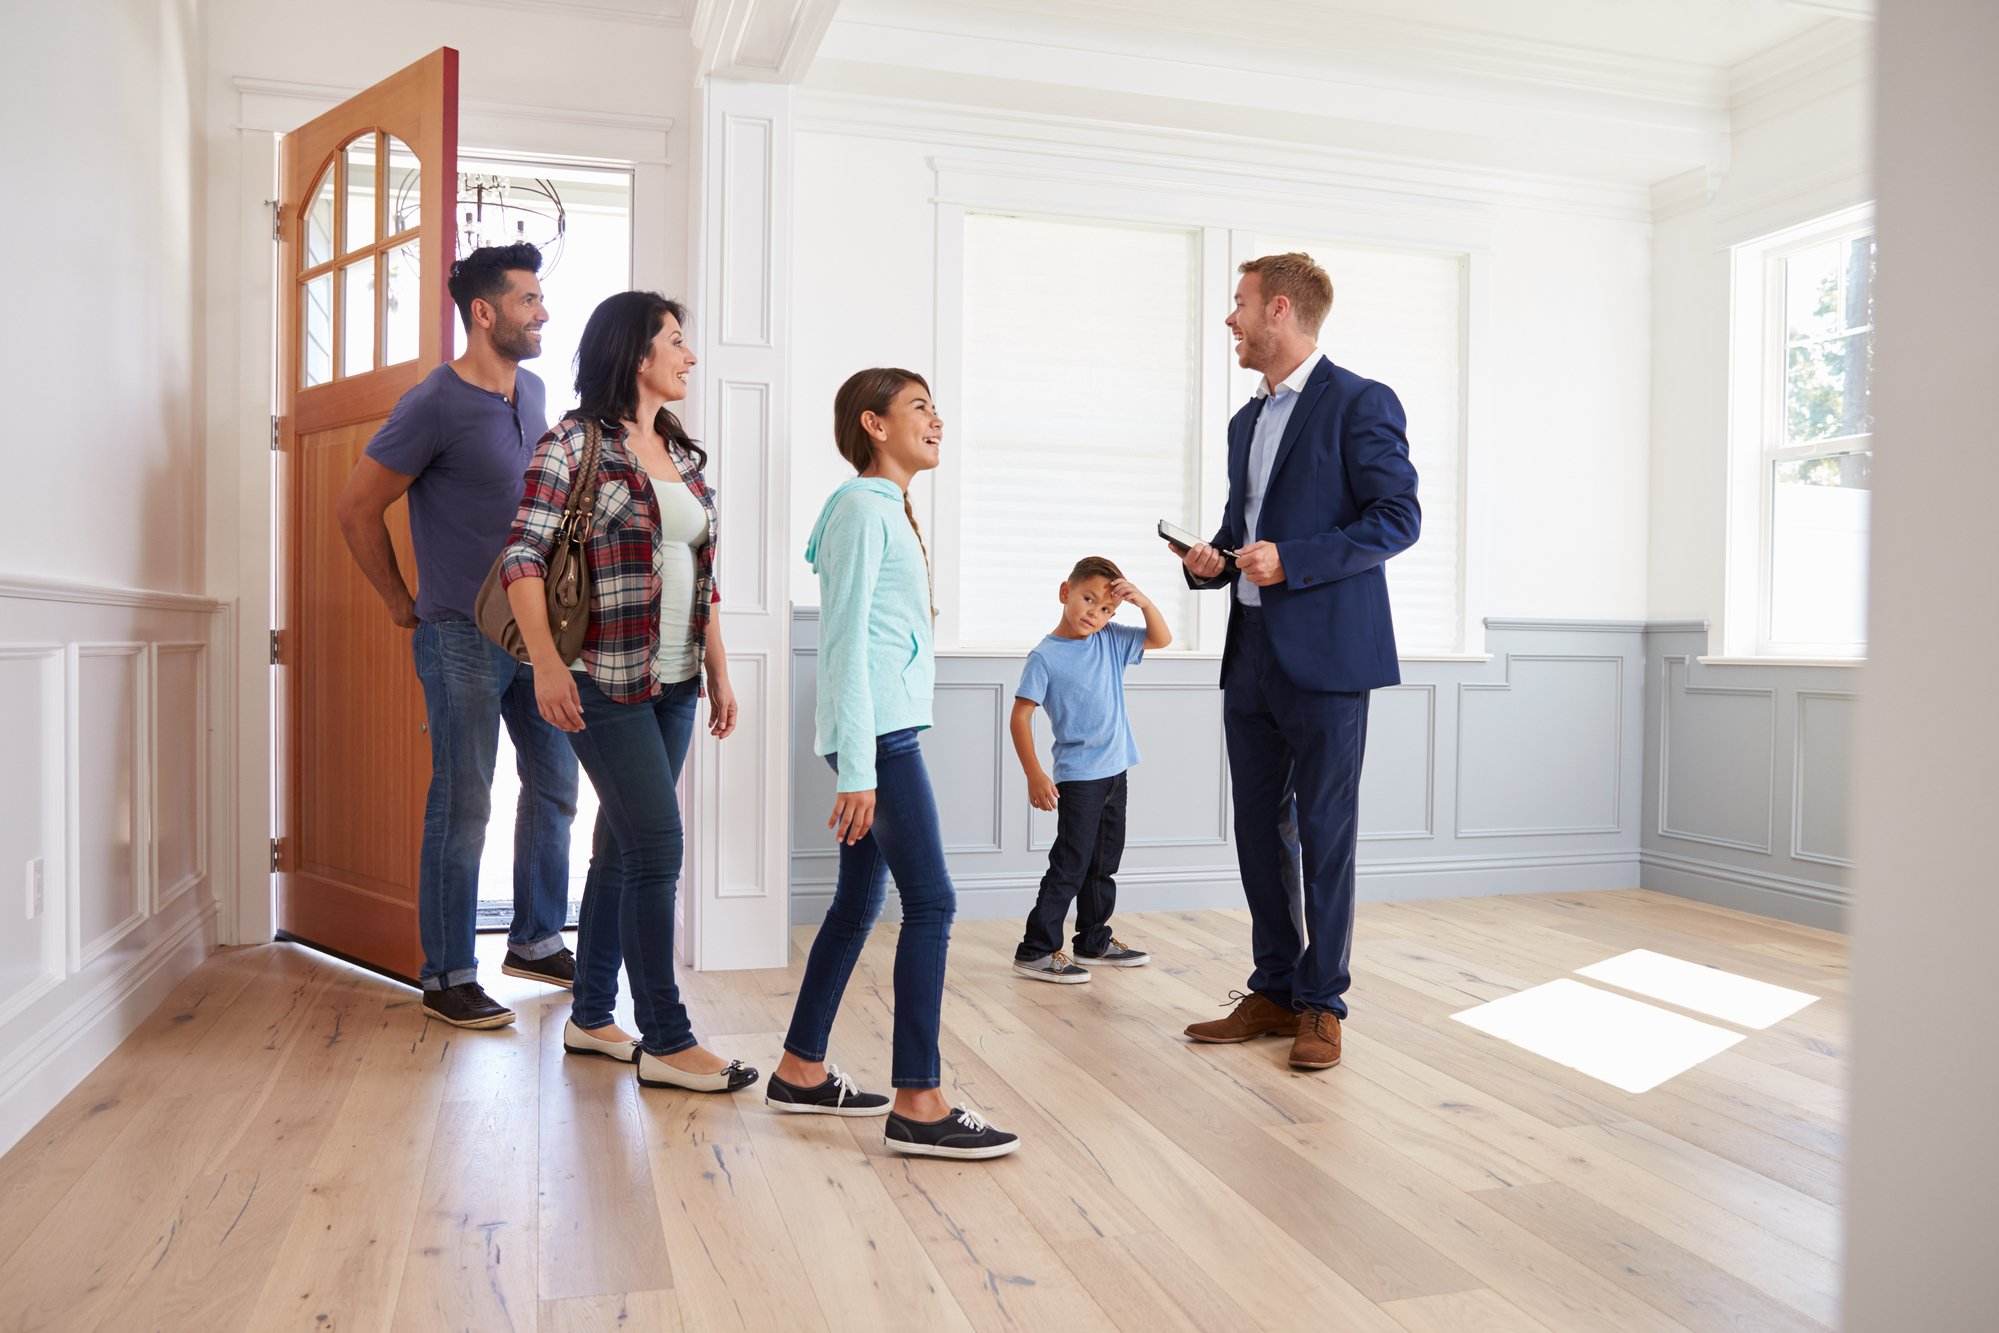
point(288, 1144)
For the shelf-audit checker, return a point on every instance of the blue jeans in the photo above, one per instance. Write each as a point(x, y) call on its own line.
point(633, 754)
point(471, 685)
point(906, 842)
point(1294, 766)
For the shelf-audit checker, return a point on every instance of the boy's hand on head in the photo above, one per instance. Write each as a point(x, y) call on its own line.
point(1041, 793)
point(1127, 591)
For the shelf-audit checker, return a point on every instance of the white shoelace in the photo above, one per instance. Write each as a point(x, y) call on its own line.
point(970, 1119)
point(848, 1088)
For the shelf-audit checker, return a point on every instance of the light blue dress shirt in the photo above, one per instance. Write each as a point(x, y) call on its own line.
point(1268, 434)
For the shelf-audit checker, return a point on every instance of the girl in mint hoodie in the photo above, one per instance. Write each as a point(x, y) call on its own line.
point(875, 678)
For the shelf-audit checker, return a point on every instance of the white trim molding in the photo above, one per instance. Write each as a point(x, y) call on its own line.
point(33, 587)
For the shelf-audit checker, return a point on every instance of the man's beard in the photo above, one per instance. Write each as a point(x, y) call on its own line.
point(1258, 347)
point(514, 342)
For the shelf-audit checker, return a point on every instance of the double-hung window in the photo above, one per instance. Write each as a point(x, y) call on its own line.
point(1815, 436)
point(1081, 423)
point(1095, 397)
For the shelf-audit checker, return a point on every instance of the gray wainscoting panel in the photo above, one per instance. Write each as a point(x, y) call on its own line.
point(972, 714)
point(1823, 757)
point(1542, 752)
point(1717, 762)
point(1175, 798)
point(1398, 781)
point(1553, 726)
point(1746, 775)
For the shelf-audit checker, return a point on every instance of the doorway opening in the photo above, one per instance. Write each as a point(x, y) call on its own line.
point(594, 261)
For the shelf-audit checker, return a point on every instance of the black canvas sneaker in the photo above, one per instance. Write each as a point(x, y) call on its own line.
point(962, 1134)
point(838, 1095)
point(558, 969)
point(1118, 955)
point(1054, 967)
point(466, 1006)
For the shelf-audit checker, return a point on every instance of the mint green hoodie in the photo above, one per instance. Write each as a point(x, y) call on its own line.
point(876, 669)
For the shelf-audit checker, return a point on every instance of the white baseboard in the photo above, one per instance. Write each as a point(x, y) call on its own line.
point(1805, 902)
point(43, 1070)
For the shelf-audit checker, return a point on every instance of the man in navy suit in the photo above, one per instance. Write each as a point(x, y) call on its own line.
point(1321, 494)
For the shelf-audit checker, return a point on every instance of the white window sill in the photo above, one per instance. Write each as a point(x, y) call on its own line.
point(1849, 662)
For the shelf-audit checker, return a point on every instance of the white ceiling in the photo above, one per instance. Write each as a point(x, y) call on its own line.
point(1715, 33)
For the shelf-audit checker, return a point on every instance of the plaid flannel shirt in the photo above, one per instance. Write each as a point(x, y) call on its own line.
point(623, 641)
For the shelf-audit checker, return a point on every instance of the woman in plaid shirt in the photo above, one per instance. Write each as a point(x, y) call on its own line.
point(628, 701)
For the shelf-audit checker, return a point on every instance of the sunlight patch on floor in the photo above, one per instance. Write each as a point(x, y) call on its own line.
point(1705, 990)
point(1624, 1042)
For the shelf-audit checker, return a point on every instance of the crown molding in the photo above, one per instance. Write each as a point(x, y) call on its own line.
point(1819, 60)
point(1685, 193)
point(1090, 144)
point(767, 41)
point(515, 128)
point(1315, 36)
point(652, 13)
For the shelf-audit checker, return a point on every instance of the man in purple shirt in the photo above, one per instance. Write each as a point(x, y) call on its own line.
point(458, 445)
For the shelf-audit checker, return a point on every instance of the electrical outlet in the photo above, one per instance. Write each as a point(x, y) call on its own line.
point(34, 888)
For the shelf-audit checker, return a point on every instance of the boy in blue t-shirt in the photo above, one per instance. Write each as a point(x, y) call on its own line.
point(1077, 674)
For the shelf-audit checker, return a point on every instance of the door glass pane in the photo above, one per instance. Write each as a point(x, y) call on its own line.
point(360, 194)
point(319, 225)
point(316, 331)
point(403, 305)
point(405, 187)
point(357, 345)
point(1819, 516)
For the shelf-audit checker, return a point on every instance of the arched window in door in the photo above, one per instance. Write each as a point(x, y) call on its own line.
point(358, 262)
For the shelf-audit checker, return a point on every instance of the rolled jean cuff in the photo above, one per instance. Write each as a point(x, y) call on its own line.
point(687, 1045)
point(914, 1084)
point(593, 1021)
point(807, 1056)
point(446, 980)
point(540, 949)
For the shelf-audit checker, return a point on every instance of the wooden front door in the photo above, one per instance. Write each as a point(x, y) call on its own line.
point(366, 241)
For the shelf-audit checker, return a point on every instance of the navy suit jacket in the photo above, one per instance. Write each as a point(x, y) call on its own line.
point(1341, 501)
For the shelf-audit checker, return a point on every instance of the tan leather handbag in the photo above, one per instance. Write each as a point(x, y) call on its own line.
point(567, 584)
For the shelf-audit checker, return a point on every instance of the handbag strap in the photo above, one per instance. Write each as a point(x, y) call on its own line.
point(582, 503)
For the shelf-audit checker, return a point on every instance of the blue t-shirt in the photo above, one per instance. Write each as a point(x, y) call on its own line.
point(468, 449)
point(1081, 684)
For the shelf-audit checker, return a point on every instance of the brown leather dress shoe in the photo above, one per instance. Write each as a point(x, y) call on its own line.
point(1317, 1045)
point(1253, 1016)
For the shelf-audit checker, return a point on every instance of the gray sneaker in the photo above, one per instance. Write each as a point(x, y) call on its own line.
point(1056, 967)
point(1117, 955)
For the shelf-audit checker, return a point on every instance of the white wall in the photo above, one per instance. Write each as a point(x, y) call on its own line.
point(107, 655)
point(1924, 1158)
point(1801, 150)
point(1557, 505)
point(103, 332)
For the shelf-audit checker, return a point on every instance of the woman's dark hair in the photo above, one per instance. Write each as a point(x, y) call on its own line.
point(615, 340)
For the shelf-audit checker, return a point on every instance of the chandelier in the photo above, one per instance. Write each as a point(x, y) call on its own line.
point(492, 209)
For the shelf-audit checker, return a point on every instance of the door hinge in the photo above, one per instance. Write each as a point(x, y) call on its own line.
point(276, 423)
point(277, 219)
point(274, 647)
point(277, 854)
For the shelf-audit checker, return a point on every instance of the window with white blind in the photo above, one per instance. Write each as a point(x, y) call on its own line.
point(1399, 318)
point(1078, 432)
